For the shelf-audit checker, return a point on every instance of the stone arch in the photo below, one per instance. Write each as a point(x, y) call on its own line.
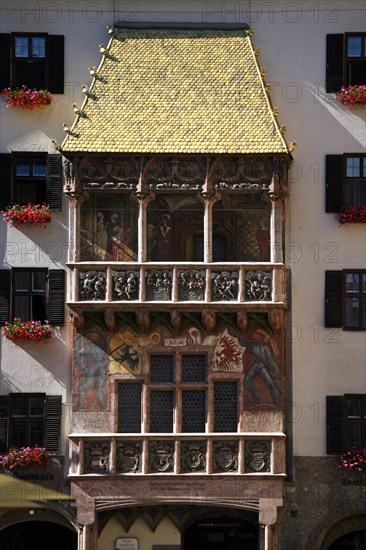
point(343, 527)
point(26, 525)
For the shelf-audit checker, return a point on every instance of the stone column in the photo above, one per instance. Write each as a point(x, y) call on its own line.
point(267, 521)
point(208, 202)
point(143, 201)
point(88, 537)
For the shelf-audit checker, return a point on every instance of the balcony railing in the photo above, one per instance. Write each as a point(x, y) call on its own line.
point(231, 453)
point(201, 283)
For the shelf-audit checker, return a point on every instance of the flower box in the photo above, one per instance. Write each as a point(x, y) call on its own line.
point(28, 214)
point(26, 98)
point(353, 97)
point(27, 331)
point(25, 457)
point(353, 461)
point(354, 214)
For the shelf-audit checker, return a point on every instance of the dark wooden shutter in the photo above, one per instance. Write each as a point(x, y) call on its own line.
point(5, 278)
point(333, 299)
point(334, 424)
point(55, 64)
point(56, 297)
point(333, 183)
point(334, 70)
point(5, 41)
point(5, 180)
point(54, 181)
point(53, 423)
point(4, 408)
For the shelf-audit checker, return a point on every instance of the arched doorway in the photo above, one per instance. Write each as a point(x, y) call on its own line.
point(221, 533)
point(351, 541)
point(37, 535)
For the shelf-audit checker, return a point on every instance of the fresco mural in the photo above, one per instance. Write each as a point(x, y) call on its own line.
point(245, 220)
point(108, 228)
point(90, 370)
point(173, 222)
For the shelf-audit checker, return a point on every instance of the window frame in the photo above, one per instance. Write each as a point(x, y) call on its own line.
point(347, 421)
point(18, 179)
point(348, 179)
point(31, 292)
point(27, 418)
point(360, 295)
point(350, 60)
point(178, 387)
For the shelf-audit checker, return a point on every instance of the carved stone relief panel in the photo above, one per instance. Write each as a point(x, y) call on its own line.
point(96, 456)
point(129, 456)
point(193, 456)
point(161, 456)
point(225, 456)
point(257, 456)
point(224, 286)
point(158, 285)
point(258, 285)
point(191, 285)
point(92, 285)
point(125, 285)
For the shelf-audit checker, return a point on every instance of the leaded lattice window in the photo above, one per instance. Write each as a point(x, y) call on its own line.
point(129, 407)
point(161, 411)
point(193, 368)
point(225, 406)
point(193, 410)
point(161, 368)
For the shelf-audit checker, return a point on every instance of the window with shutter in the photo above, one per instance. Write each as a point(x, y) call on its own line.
point(32, 294)
point(345, 180)
point(345, 299)
point(346, 422)
point(28, 419)
point(31, 177)
point(35, 60)
point(346, 60)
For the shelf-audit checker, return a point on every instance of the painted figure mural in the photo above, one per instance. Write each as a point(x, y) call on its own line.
point(90, 373)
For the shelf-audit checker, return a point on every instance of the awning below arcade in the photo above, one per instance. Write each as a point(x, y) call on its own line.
point(16, 493)
point(177, 90)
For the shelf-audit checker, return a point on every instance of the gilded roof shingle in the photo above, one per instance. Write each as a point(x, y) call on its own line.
point(177, 91)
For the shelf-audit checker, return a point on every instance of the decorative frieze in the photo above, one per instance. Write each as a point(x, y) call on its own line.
point(129, 455)
point(186, 173)
point(225, 456)
point(193, 456)
point(191, 285)
point(125, 285)
point(258, 285)
point(109, 173)
point(92, 285)
point(158, 285)
point(239, 173)
point(161, 456)
point(96, 456)
point(224, 286)
point(257, 456)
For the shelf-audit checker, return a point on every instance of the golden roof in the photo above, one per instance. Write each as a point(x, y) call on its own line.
point(175, 90)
